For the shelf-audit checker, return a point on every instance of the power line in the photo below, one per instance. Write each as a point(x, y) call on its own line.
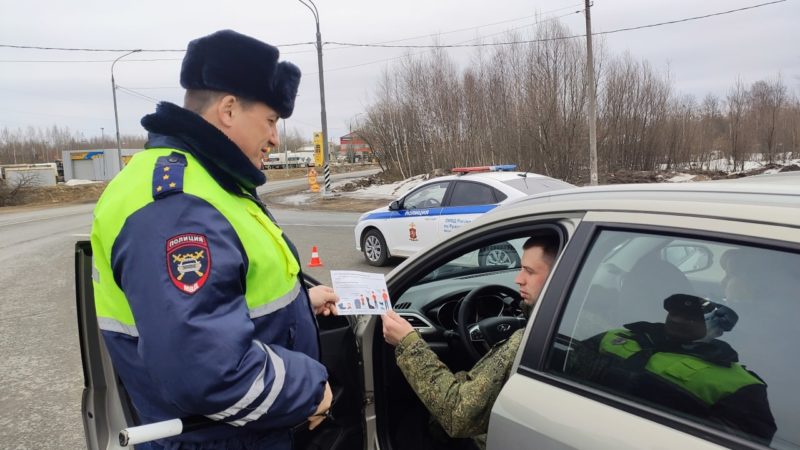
point(83, 61)
point(455, 31)
point(468, 40)
point(71, 49)
point(76, 49)
point(137, 94)
point(486, 25)
point(490, 24)
point(139, 88)
point(524, 26)
point(385, 45)
point(494, 44)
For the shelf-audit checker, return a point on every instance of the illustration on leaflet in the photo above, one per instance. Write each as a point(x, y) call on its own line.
point(360, 292)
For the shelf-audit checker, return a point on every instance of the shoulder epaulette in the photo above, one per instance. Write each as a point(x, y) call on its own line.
point(168, 175)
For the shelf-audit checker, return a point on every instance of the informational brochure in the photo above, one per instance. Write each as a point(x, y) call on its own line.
point(360, 292)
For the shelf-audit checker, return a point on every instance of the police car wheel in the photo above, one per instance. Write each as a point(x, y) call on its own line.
point(374, 248)
point(502, 254)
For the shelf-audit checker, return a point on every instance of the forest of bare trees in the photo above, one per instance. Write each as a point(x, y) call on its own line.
point(37, 145)
point(526, 104)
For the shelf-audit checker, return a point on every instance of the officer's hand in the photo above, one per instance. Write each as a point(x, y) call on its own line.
point(323, 300)
point(395, 328)
point(322, 409)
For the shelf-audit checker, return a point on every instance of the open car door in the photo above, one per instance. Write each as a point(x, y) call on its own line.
point(107, 410)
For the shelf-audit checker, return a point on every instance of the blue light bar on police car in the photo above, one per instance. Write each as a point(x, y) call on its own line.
point(498, 168)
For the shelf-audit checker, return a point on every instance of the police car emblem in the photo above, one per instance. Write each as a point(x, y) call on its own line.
point(188, 261)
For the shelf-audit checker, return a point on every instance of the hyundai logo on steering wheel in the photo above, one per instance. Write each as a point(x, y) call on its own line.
point(503, 327)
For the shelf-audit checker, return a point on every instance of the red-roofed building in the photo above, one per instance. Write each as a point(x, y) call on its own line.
point(353, 148)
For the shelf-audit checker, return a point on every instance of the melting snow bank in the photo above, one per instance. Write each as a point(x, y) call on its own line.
point(76, 182)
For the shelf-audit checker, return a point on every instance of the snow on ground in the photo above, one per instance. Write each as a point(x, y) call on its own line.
point(681, 178)
point(389, 191)
point(725, 165)
point(396, 190)
point(76, 182)
point(302, 198)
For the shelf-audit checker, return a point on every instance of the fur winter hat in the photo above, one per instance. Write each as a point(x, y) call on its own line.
point(231, 62)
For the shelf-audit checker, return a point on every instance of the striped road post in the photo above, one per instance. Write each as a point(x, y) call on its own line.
point(327, 174)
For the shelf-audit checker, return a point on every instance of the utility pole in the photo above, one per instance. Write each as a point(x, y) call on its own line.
point(116, 117)
point(592, 98)
point(285, 150)
point(326, 188)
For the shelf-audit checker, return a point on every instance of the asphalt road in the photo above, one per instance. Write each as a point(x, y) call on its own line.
point(41, 379)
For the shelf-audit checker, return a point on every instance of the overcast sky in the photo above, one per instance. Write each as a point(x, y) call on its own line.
point(42, 88)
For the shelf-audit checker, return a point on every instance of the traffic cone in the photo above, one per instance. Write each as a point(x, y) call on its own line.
point(315, 261)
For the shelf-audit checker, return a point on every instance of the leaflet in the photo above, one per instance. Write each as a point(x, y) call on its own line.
point(360, 292)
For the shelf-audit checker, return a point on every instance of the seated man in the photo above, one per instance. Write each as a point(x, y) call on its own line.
point(681, 365)
point(461, 402)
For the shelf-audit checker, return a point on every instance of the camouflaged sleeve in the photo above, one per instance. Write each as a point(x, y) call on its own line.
point(460, 402)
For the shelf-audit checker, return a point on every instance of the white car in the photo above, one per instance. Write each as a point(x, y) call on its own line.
point(624, 252)
point(435, 209)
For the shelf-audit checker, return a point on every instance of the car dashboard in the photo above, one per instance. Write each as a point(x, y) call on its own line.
point(433, 306)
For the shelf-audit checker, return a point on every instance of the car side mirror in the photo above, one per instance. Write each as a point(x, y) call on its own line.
point(394, 206)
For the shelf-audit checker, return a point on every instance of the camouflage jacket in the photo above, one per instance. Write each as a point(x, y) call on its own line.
point(460, 402)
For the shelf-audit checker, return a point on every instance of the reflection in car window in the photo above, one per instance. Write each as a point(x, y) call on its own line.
point(712, 340)
point(532, 185)
point(466, 193)
point(430, 196)
point(491, 258)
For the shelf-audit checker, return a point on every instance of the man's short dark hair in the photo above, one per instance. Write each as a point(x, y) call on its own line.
point(198, 100)
point(548, 242)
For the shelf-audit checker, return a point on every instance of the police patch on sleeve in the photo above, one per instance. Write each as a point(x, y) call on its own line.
point(188, 261)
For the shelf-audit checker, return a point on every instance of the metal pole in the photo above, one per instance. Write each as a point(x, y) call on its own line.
point(592, 99)
point(326, 188)
point(285, 150)
point(116, 117)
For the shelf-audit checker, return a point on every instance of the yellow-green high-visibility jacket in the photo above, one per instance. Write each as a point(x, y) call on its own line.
point(700, 379)
point(200, 304)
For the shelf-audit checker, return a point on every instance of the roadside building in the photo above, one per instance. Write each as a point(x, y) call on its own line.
point(354, 149)
point(95, 165)
point(41, 174)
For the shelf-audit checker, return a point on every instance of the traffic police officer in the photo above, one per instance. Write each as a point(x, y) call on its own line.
point(198, 292)
point(682, 365)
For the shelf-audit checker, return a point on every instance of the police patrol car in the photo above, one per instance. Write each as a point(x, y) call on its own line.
point(438, 207)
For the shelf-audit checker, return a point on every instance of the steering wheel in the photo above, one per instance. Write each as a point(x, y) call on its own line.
point(486, 333)
point(431, 203)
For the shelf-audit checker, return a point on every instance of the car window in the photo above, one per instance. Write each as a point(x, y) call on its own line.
point(429, 196)
point(697, 328)
point(468, 193)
